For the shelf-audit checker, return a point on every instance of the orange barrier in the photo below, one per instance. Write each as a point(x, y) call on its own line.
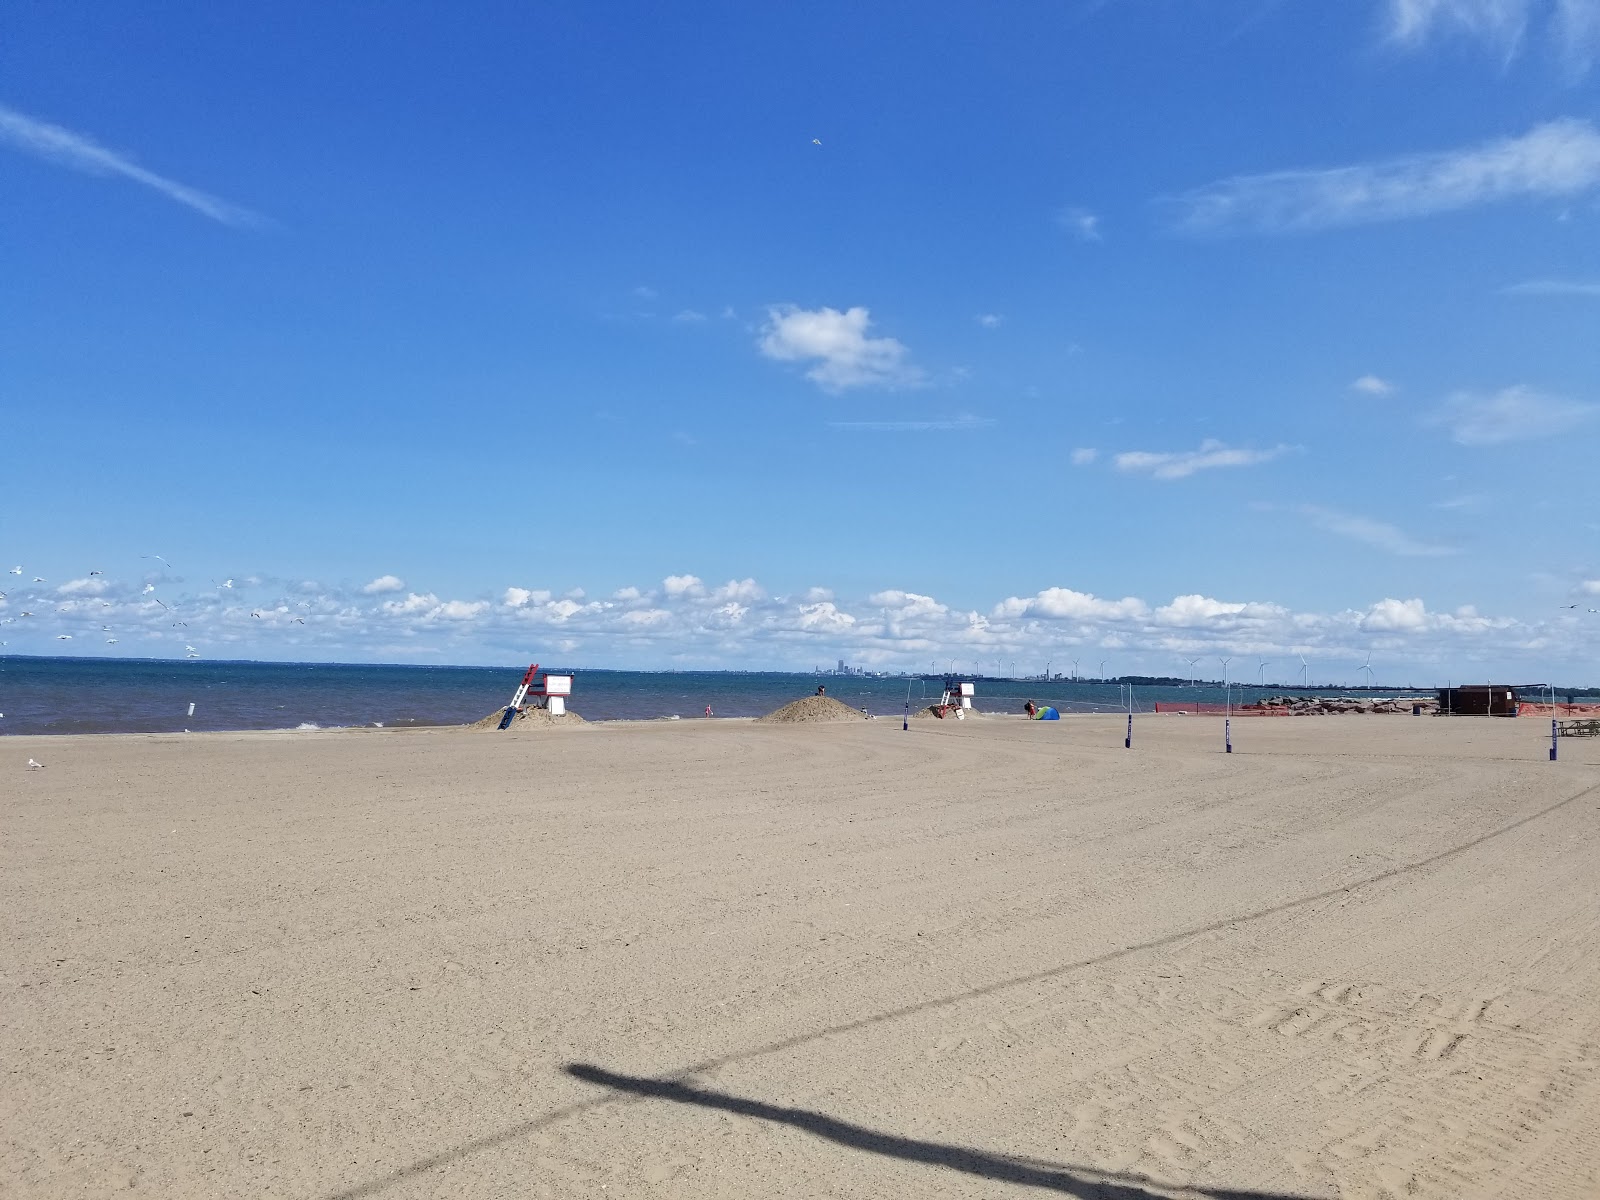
point(1526, 709)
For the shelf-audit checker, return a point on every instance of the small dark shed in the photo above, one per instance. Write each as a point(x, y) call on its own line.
point(1479, 700)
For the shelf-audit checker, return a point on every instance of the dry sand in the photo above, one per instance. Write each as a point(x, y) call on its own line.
point(726, 959)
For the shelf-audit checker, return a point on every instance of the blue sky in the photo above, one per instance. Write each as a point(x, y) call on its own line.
point(747, 335)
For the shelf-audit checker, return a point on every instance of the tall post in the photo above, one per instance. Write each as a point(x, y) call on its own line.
point(1555, 730)
point(1127, 742)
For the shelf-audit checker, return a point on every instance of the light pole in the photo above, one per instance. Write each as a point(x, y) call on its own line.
point(1227, 709)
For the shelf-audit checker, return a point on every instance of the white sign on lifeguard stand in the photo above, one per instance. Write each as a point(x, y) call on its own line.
point(556, 690)
point(967, 691)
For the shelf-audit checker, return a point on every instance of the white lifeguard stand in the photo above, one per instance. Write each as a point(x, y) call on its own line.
point(958, 695)
point(556, 690)
point(553, 692)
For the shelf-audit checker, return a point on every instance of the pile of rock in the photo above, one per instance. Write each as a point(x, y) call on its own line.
point(1317, 706)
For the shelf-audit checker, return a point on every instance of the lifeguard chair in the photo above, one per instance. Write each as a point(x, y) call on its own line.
point(957, 696)
point(550, 694)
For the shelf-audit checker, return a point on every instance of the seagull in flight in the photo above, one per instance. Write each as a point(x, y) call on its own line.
point(26, 614)
point(158, 558)
point(94, 572)
point(148, 588)
point(63, 637)
point(16, 570)
point(1569, 606)
point(111, 641)
point(40, 579)
point(816, 141)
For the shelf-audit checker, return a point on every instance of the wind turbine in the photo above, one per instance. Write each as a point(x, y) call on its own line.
point(1264, 665)
point(1191, 663)
point(1367, 667)
point(1102, 670)
point(1074, 670)
point(1305, 674)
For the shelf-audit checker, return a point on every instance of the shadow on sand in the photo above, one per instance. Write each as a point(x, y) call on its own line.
point(502, 1136)
point(1001, 1168)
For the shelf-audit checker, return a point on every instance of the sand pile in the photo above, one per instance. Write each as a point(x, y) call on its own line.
point(529, 718)
point(813, 708)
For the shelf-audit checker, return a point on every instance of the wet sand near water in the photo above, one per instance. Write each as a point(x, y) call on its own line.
point(1357, 958)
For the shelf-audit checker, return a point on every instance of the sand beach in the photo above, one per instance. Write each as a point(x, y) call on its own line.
point(1359, 957)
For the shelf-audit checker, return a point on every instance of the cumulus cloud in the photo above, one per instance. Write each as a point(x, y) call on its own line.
point(990, 320)
point(1181, 464)
point(80, 153)
point(1513, 414)
point(1060, 604)
point(1378, 534)
point(1371, 385)
point(1083, 456)
point(740, 624)
point(384, 583)
point(682, 585)
point(1557, 159)
point(838, 347)
point(516, 597)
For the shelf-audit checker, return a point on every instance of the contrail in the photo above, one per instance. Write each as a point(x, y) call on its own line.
point(58, 145)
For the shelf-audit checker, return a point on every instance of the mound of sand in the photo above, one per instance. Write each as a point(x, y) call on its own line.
point(813, 708)
point(528, 718)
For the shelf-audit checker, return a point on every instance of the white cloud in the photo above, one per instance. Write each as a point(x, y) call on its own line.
point(1083, 456)
point(68, 149)
point(1512, 414)
point(1503, 25)
point(1059, 604)
point(907, 604)
point(739, 625)
point(384, 583)
point(1554, 287)
point(1405, 615)
point(1377, 534)
point(1081, 223)
point(1559, 158)
point(1211, 455)
point(845, 357)
point(413, 603)
point(1371, 385)
point(990, 320)
point(689, 316)
point(817, 595)
point(516, 597)
point(677, 586)
point(83, 587)
point(1197, 610)
point(1590, 587)
point(745, 591)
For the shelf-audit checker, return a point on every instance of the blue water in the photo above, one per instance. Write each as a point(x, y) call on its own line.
point(88, 695)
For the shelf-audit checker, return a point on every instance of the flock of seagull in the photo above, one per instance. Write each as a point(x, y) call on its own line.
point(148, 590)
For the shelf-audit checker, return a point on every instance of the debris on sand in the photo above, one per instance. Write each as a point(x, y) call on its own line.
point(529, 718)
point(813, 708)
